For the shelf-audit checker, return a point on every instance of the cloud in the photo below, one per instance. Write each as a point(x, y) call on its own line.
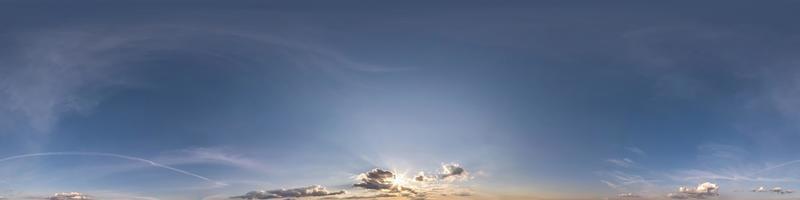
point(421, 177)
point(310, 191)
point(379, 179)
point(57, 73)
point(610, 184)
point(216, 156)
point(637, 151)
point(677, 196)
point(728, 174)
point(778, 190)
point(453, 171)
point(131, 158)
point(702, 191)
point(61, 71)
point(621, 180)
point(760, 189)
point(374, 196)
point(69, 196)
point(628, 195)
point(625, 162)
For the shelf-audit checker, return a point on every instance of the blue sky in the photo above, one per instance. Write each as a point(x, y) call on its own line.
point(558, 100)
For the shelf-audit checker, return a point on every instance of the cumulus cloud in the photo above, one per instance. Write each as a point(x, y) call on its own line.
point(69, 196)
point(702, 191)
point(310, 191)
point(397, 184)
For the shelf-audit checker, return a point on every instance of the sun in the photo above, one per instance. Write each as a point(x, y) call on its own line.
point(399, 180)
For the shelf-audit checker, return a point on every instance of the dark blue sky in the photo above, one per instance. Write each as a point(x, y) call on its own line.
point(558, 99)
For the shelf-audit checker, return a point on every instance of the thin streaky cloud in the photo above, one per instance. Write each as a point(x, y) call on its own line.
point(152, 163)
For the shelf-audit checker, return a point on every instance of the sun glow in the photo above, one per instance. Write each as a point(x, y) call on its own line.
point(399, 180)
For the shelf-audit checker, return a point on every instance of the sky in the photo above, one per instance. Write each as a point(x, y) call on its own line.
point(488, 99)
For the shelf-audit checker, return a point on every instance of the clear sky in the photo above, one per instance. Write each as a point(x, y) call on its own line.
point(535, 99)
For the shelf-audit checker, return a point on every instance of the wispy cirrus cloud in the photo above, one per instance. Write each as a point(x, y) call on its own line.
point(58, 72)
point(625, 162)
point(221, 156)
point(636, 151)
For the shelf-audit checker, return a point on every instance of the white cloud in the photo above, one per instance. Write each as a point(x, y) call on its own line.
point(69, 196)
point(702, 191)
point(628, 195)
point(778, 190)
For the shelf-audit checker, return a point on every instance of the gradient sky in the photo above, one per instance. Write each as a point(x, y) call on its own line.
point(550, 99)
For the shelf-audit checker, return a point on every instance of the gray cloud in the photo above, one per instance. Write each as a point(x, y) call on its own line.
point(310, 191)
point(379, 179)
point(454, 171)
point(421, 177)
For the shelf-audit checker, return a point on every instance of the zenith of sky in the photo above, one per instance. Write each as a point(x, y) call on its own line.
point(536, 99)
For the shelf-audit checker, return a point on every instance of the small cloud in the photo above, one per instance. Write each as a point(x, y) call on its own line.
point(628, 195)
point(780, 190)
point(677, 196)
point(610, 184)
point(625, 162)
point(69, 196)
point(420, 177)
point(310, 191)
point(760, 189)
point(702, 191)
point(453, 171)
point(637, 151)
